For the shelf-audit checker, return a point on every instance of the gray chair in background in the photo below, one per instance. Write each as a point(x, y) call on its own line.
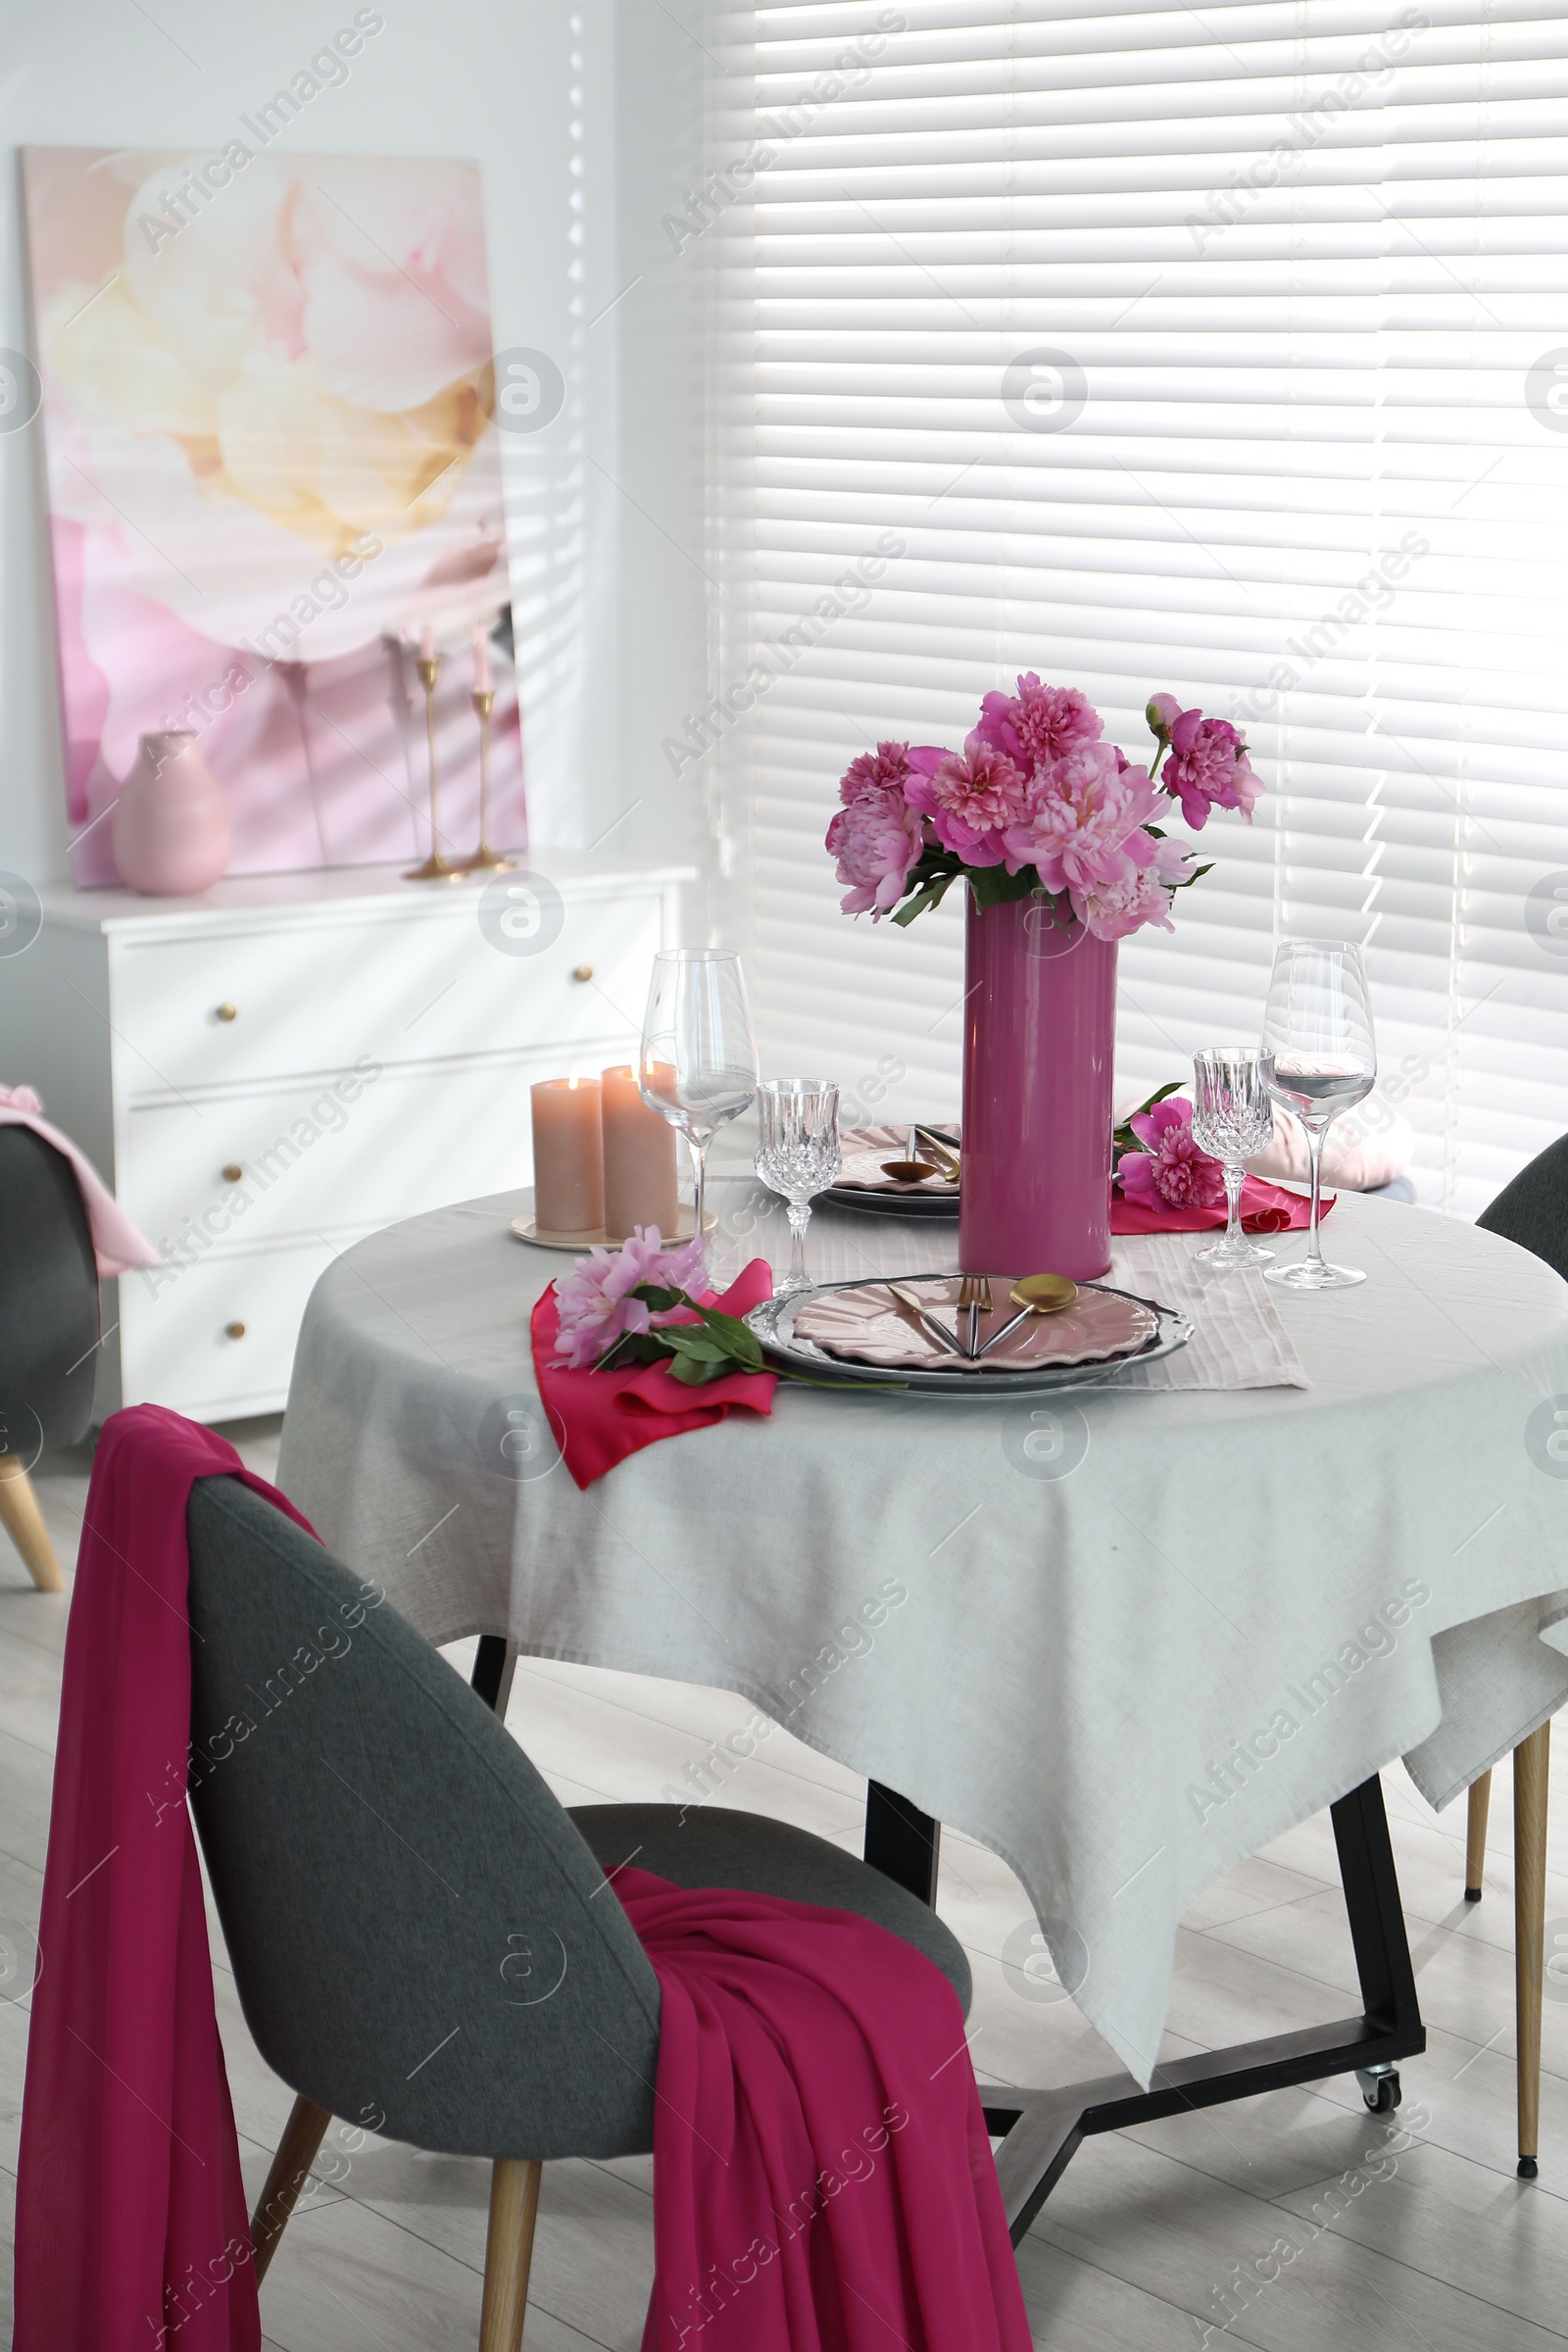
point(1532, 1211)
point(423, 1939)
point(48, 1330)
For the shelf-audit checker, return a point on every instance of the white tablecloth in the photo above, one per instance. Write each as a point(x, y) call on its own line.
point(1124, 1647)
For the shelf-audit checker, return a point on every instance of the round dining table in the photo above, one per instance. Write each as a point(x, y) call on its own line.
point(1122, 1635)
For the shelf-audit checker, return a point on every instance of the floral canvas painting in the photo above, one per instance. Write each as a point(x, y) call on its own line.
point(273, 468)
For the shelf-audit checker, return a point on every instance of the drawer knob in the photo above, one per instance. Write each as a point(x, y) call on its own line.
point(584, 971)
point(231, 1172)
point(228, 1012)
point(235, 1331)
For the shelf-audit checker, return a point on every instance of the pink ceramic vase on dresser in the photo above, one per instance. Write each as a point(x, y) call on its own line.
point(1039, 1042)
point(170, 821)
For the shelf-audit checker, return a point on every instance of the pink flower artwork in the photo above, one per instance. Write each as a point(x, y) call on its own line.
point(272, 463)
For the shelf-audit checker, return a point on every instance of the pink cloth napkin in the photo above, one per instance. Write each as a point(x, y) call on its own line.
point(600, 1417)
point(1265, 1208)
point(117, 1243)
point(131, 2210)
point(823, 2180)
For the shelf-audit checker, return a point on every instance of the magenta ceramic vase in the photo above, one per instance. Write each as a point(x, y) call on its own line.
point(170, 821)
point(1039, 1040)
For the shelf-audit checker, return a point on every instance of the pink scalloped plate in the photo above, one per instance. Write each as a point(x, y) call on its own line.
point(864, 1325)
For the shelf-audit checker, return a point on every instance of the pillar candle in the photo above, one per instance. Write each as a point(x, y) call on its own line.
point(640, 1184)
point(568, 1165)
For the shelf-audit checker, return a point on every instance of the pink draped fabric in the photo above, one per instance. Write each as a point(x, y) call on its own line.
point(132, 2232)
point(115, 1241)
point(823, 2180)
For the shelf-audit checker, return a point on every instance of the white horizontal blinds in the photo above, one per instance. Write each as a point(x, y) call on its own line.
point(1158, 350)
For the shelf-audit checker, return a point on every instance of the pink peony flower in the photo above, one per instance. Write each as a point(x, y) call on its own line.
point(595, 1304)
point(1172, 1173)
point(971, 798)
point(877, 835)
point(1039, 725)
point(1207, 766)
point(1084, 820)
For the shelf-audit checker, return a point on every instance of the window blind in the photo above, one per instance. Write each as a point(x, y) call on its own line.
point(1220, 350)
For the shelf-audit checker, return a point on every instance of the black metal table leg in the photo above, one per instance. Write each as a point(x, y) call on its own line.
point(492, 1672)
point(1040, 2129)
point(901, 1841)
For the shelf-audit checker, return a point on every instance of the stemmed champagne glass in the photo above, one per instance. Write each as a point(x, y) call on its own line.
point(1319, 1027)
point(797, 1154)
point(1233, 1120)
point(697, 1066)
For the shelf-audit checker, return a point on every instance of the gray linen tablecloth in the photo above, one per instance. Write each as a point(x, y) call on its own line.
point(1123, 1646)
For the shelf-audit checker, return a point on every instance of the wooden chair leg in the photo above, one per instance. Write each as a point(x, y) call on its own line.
point(1475, 1841)
point(296, 2153)
point(509, 2253)
point(1531, 1759)
point(23, 1521)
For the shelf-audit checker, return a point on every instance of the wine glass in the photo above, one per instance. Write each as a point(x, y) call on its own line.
point(697, 1065)
point(1233, 1119)
point(1319, 1027)
point(797, 1154)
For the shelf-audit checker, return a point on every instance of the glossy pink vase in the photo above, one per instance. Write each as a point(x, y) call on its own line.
point(1039, 1042)
point(170, 821)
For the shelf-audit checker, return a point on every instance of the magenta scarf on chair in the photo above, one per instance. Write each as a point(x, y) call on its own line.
point(131, 2234)
point(823, 2181)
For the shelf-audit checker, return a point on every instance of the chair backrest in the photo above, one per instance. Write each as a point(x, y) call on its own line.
point(422, 1942)
point(1533, 1210)
point(48, 1298)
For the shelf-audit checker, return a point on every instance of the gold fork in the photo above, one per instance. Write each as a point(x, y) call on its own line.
point(974, 1300)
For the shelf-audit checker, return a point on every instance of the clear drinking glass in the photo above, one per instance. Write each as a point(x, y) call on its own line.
point(1233, 1120)
point(797, 1154)
point(1318, 1028)
point(697, 1065)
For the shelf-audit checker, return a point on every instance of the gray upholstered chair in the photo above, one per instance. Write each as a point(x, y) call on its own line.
point(423, 1939)
point(1532, 1211)
point(48, 1330)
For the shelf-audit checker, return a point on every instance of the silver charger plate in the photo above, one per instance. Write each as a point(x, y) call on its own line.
point(773, 1324)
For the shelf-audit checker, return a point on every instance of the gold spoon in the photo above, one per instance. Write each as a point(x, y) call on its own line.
point(910, 1169)
point(943, 1152)
point(1035, 1294)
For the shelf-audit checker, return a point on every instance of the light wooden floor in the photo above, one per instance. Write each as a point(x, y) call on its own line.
point(1439, 2247)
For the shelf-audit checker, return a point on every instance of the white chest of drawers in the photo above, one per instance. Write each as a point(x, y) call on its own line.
point(269, 1072)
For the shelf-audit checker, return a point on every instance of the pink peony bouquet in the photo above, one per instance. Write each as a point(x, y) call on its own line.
point(1037, 801)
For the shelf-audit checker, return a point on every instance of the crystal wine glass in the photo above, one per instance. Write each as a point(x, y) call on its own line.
point(1233, 1119)
point(797, 1154)
point(1319, 1027)
point(697, 1066)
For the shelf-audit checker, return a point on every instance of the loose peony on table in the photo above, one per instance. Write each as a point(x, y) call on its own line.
point(1124, 1646)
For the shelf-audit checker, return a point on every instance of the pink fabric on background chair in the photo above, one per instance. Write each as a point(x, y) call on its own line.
point(117, 1243)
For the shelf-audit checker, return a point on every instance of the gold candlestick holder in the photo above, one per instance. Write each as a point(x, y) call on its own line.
point(485, 860)
point(435, 869)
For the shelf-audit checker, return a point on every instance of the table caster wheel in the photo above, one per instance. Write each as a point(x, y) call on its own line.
point(1528, 2168)
point(1380, 2087)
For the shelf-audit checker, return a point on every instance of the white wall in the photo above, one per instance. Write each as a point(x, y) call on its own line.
point(601, 99)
